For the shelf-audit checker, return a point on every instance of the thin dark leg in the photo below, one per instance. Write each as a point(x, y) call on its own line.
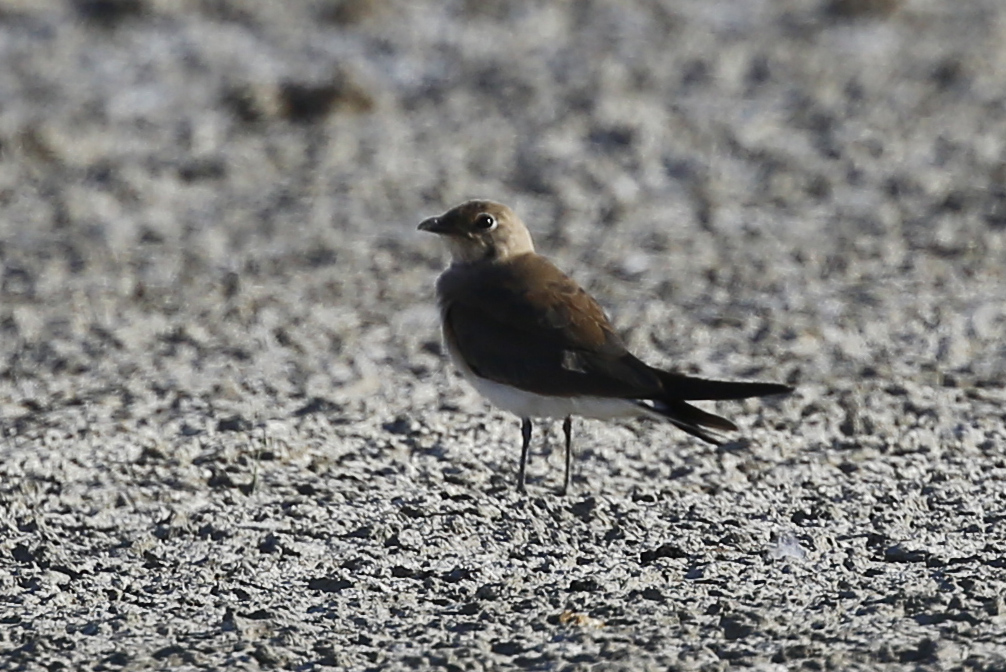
point(567, 426)
point(525, 430)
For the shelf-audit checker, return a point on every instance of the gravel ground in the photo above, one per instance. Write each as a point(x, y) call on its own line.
point(230, 437)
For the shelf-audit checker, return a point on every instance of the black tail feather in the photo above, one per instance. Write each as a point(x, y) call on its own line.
point(693, 420)
point(698, 432)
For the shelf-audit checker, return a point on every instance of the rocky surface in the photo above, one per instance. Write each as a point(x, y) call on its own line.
point(230, 437)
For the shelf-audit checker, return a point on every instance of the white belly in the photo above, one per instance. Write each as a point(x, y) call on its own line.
point(530, 405)
point(525, 404)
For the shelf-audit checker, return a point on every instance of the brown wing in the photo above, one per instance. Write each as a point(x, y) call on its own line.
point(526, 324)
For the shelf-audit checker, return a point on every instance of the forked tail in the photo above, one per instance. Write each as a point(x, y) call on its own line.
point(678, 387)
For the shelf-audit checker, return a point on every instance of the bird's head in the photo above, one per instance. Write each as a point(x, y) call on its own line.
point(481, 231)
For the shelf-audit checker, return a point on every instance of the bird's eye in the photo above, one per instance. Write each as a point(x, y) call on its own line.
point(485, 222)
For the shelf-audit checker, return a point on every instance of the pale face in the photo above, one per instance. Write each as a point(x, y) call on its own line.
point(481, 231)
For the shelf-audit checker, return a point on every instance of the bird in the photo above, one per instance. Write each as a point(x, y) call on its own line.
point(536, 344)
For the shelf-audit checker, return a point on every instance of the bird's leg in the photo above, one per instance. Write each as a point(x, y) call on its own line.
point(567, 426)
point(525, 430)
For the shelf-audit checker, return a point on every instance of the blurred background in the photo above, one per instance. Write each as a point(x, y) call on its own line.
point(235, 185)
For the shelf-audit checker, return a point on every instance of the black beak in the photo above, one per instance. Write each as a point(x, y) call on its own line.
point(433, 225)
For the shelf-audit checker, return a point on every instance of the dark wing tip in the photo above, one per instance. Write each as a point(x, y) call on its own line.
point(680, 386)
point(775, 388)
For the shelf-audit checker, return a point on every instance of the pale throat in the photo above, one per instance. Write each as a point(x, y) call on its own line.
point(468, 251)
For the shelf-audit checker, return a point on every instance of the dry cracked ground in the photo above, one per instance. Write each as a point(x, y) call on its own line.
point(230, 437)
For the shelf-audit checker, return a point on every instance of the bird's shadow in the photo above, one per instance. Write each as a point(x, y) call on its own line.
point(733, 447)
